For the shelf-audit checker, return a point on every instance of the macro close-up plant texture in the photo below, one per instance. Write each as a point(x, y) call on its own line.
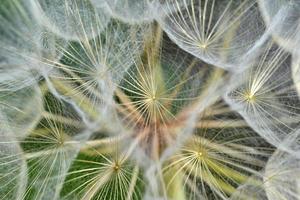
point(149, 99)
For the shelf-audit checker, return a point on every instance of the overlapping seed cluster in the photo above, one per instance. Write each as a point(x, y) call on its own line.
point(149, 99)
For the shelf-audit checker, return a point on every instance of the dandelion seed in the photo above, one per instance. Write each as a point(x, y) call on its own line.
point(13, 170)
point(215, 31)
point(70, 19)
point(26, 46)
point(49, 151)
point(211, 166)
point(266, 96)
point(91, 69)
point(281, 176)
point(284, 16)
point(22, 109)
point(109, 176)
point(278, 180)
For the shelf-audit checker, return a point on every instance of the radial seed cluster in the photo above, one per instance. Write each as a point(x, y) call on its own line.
point(149, 100)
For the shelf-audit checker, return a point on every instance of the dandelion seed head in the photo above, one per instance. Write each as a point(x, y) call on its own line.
point(130, 99)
